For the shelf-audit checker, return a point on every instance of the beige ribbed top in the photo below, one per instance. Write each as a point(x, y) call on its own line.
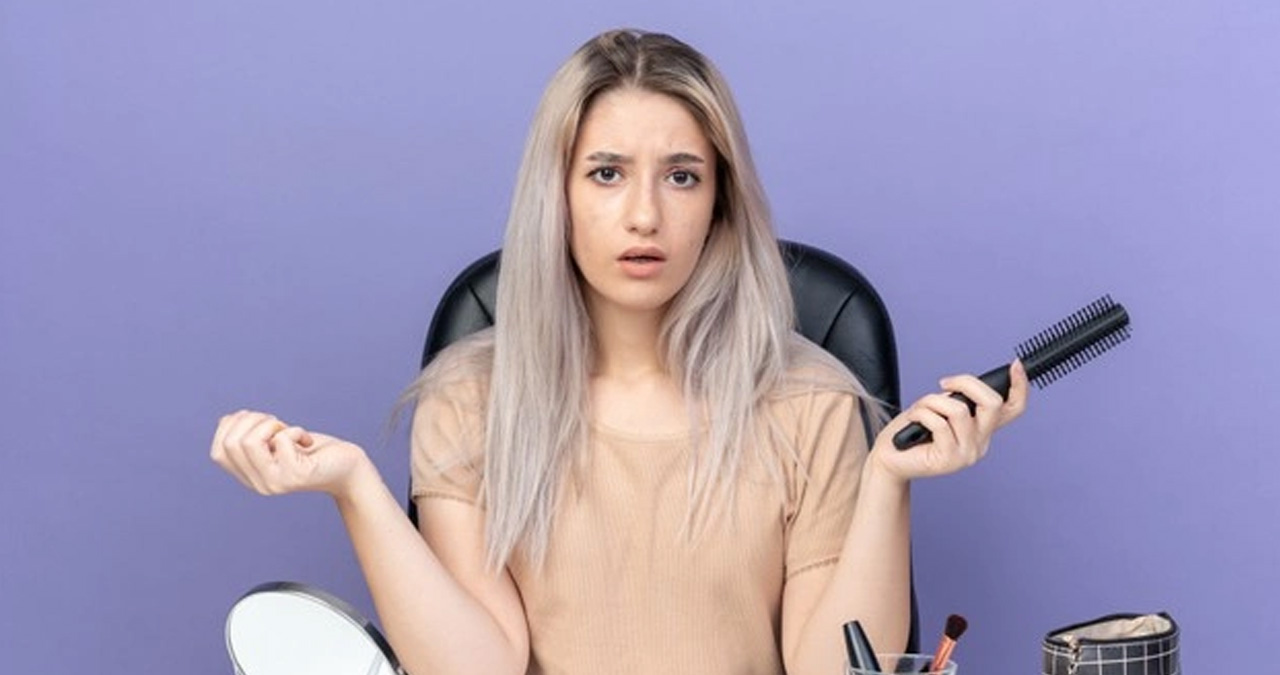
point(622, 592)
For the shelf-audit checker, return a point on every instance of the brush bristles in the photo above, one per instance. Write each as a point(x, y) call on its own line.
point(1074, 341)
point(956, 626)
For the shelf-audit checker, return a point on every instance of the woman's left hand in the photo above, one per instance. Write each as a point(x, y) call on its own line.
point(959, 439)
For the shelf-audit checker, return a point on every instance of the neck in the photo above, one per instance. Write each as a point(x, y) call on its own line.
point(627, 345)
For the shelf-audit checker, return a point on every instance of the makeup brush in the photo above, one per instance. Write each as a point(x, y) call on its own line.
point(956, 626)
point(858, 648)
point(1051, 354)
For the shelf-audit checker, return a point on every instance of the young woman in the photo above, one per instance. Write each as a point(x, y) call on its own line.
point(641, 468)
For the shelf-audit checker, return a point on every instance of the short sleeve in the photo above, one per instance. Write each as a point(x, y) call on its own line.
point(447, 444)
point(831, 447)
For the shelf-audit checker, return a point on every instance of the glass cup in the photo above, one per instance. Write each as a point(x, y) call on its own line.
point(905, 663)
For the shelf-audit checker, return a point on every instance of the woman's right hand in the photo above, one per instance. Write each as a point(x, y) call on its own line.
point(271, 457)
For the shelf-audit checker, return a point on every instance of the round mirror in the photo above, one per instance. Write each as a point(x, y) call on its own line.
point(284, 628)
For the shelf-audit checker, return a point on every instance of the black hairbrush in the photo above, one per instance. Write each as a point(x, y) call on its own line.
point(1058, 350)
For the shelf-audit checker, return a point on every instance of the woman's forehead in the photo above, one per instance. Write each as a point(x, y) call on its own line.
point(630, 120)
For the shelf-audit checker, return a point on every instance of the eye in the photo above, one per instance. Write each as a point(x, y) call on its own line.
point(684, 179)
point(605, 175)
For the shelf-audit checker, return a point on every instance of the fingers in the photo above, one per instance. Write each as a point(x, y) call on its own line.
point(256, 449)
point(243, 446)
point(960, 438)
point(961, 433)
point(271, 458)
point(1016, 403)
point(932, 412)
point(301, 438)
point(287, 446)
point(294, 438)
point(246, 443)
point(226, 448)
point(987, 401)
point(991, 411)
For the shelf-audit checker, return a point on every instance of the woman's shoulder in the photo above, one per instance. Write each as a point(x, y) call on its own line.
point(816, 408)
point(447, 436)
point(458, 374)
point(450, 400)
point(810, 370)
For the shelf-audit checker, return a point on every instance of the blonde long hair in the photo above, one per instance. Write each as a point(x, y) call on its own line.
point(725, 336)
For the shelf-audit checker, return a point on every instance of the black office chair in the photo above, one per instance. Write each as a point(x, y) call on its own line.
point(836, 308)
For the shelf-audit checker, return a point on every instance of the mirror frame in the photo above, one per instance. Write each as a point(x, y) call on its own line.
point(326, 600)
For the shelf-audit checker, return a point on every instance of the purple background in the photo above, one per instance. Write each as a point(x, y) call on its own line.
point(207, 206)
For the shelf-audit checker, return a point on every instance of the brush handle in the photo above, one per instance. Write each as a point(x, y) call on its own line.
point(858, 647)
point(915, 433)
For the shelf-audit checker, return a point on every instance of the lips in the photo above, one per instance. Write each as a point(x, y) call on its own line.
point(642, 262)
point(643, 255)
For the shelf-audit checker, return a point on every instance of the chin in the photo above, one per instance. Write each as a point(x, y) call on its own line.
point(637, 303)
point(646, 305)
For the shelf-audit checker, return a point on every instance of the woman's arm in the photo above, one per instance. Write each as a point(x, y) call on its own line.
point(871, 581)
point(442, 612)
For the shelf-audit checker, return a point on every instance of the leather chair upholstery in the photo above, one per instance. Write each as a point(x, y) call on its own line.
point(836, 308)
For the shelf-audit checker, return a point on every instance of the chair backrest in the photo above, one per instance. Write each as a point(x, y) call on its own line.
point(836, 308)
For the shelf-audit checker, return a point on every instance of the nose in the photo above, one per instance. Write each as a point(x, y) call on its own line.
point(643, 211)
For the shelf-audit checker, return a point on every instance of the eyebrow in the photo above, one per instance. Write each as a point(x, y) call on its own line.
point(606, 157)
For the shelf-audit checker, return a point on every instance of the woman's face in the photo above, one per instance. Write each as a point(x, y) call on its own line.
point(641, 189)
